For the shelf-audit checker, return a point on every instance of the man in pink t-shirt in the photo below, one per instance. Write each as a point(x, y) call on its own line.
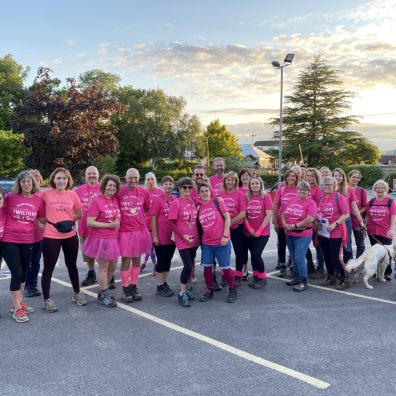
point(216, 181)
point(87, 193)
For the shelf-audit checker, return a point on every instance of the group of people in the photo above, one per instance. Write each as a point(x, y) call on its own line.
point(223, 212)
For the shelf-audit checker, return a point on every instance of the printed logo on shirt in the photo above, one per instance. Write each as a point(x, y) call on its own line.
point(24, 213)
point(86, 200)
point(327, 210)
point(207, 217)
point(294, 211)
point(254, 209)
point(378, 212)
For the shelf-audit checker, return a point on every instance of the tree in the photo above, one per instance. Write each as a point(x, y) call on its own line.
point(12, 152)
point(220, 142)
point(314, 118)
point(67, 127)
point(12, 76)
point(154, 127)
point(99, 79)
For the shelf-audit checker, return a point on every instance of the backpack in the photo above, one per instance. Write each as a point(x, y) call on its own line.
point(388, 204)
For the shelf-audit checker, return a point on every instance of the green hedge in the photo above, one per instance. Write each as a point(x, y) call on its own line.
point(370, 174)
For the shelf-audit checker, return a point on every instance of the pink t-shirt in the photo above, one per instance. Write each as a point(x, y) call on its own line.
point(256, 211)
point(217, 184)
point(184, 212)
point(314, 193)
point(2, 221)
point(328, 208)
point(153, 194)
point(212, 222)
point(133, 205)
point(105, 211)
point(22, 213)
point(236, 203)
point(361, 202)
point(87, 194)
point(243, 190)
point(38, 235)
point(379, 216)
point(296, 211)
point(282, 197)
point(160, 209)
point(60, 206)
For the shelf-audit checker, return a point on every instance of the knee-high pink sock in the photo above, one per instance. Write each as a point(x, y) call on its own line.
point(229, 275)
point(135, 271)
point(208, 275)
point(124, 277)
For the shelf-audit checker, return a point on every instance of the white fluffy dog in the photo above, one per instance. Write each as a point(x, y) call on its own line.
point(373, 260)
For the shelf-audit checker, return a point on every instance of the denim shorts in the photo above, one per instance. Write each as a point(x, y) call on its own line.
point(222, 254)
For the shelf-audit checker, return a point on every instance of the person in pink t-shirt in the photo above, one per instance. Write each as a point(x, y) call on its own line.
point(235, 201)
point(22, 208)
point(257, 228)
point(134, 237)
point(216, 181)
point(33, 269)
point(215, 221)
point(333, 209)
point(381, 218)
point(63, 208)
point(297, 218)
point(87, 193)
point(2, 220)
point(154, 192)
point(103, 220)
point(183, 214)
point(354, 177)
point(283, 195)
point(161, 229)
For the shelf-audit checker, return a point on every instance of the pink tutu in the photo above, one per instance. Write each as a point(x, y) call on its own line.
point(134, 243)
point(101, 248)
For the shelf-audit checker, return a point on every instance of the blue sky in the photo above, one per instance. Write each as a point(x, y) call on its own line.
point(216, 54)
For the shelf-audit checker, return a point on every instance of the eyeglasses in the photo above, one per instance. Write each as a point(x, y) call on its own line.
point(199, 174)
point(187, 187)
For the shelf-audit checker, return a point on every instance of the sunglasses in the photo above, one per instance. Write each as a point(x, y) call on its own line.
point(187, 187)
point(199, 174)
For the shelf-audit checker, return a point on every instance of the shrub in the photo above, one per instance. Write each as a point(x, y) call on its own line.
point(370, 174)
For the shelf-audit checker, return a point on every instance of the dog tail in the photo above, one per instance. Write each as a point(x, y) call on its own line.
point(354, 263)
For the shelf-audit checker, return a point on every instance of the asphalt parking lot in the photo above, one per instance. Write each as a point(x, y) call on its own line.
point(270, 342)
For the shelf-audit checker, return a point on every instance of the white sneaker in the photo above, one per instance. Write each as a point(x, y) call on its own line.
point(79, 299)
point(20, 315)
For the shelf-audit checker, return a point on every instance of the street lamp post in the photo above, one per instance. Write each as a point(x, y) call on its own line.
point(287, 61)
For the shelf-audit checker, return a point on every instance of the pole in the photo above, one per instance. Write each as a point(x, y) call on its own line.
point(280, 128)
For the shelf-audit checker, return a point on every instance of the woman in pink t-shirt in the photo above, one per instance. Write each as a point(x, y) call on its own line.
point(235, 201)
point(161, 229)
point(381, 218)
point(257, 228)
point(183, 214)
point(333, 209)
point(63, 208)
point(22, 208)
point(154, 192)
point(2, 220)
point(284, 193)
point(297, 218)
point(103, 220)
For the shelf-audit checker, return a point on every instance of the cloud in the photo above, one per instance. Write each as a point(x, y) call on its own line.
point(71, 42)
point(57, 61)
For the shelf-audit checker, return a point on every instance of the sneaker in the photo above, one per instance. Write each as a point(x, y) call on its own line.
point(20, 315)
point(190, 295)
point(90, 279)
point(207, 295)
point(245, 277)
point(164, 290)
point(292, 282)
point(126, 295)
point(258, 283)
point(112, 285)
point(183, 300)
point(216, 285)
point(343, 285)
point(318, 274)
point(106, 300)
point(301, 286)
point(237, 281)
point(49, 305)
point(330, 281)
point(79, 299)
point(26, 308)
point(28, 293)
point(135, 292)
point(232, 295)
point(282, 271)
point(223, 282)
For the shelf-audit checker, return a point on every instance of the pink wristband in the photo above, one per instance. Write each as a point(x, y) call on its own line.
point(260, 230)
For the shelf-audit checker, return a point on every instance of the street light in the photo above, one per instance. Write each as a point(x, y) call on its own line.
point(286, 62)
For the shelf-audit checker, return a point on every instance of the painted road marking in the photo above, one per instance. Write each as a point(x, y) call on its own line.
point(218, 344)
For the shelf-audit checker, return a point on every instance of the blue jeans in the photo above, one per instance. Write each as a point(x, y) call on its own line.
point(221, 253)
point(347, 252)
point(34, 266)
point(320, 257)
point(298, 247)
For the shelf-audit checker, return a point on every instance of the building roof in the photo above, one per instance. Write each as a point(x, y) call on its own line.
point(266, 143)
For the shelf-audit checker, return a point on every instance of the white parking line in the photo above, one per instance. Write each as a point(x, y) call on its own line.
point(218, 344)
point(338, 291)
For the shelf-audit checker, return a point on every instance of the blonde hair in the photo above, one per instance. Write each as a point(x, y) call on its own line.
point(262, 190)
point(291, 170)
point(316, 175)
point(343, 188)
point(17, 189)
point(381, 181)
point(232, 175)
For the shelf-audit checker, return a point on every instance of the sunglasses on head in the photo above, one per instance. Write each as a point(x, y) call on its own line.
point(187, 187)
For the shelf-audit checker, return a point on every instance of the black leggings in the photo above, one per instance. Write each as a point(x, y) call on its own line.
point(256, 247)
point(17, 256)
point(188, 257)
point(384, 241)
point(51, 250)
point(281, 246)
point(331, 250)
point(239, 244)
point(164, 257)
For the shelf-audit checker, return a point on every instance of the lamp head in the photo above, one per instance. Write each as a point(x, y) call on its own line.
point(275, 64)
point(289, 58)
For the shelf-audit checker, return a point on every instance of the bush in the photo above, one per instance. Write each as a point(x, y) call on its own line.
point(370, 174)
point(269, 180)
point(389, 179)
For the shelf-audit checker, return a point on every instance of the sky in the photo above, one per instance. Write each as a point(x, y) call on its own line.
point(217, 54)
